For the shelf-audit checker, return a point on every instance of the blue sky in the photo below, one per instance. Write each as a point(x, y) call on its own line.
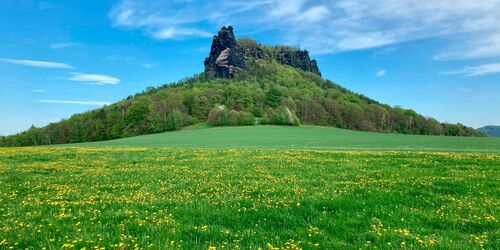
point(438, 57)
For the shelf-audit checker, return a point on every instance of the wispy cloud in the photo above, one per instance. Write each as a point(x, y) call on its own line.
point(93, 79)
point(90, 103)
point(326, 26)
point(380, 73)
point(485, 69)
point(176, 33)
point(161, 26)
point(384, 52)
point(37, 64)
point(129, 60)
point(38, 90)
point(63, 45)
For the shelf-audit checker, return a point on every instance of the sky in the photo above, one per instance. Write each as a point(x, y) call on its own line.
point(440, 58)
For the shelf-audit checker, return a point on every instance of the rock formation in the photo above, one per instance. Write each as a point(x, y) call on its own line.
point(298, 59)
point(226, 58)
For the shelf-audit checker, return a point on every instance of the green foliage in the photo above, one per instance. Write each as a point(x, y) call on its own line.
point(218, 116)
point(240, 118)
point(135, 118)
point(175, 120)
point(283, 116)
point(261, 91)
point(273, 96)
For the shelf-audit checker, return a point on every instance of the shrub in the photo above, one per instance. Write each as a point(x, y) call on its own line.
point(283, 116)
point(218, 116)
point(245, 119)
point(233, 118)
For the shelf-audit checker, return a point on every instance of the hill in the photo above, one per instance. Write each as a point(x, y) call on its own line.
point(304, 137)
point(490, 130)
point(244, 83)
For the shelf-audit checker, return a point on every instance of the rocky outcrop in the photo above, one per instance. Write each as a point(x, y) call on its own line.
point(226, 58)
point(285, 55)
point(298, 59)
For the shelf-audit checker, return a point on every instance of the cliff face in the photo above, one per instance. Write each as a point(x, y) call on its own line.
point(298, 59)
point(227, 57)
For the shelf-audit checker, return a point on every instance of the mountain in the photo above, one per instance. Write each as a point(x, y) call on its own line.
point(244, 83)
point(490, 130)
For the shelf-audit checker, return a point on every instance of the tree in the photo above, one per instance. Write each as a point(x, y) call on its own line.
point(175, 120)
point(284, 116)
point(116, 127)
point(218, 116)
point(135, 118)
point(157, 118)
point(273, 97)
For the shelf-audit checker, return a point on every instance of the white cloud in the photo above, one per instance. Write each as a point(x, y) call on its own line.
point(175, 33)
point(287, 8)
point(38, 64)
point(314, 14)
point(39, 90)
point(326, 26)
point(91, 103)
point(129, 60)
point(485, 69)
point(94, 79)
point(63, 45)
point(147, 65)
point(159, 25)
point(380, 73)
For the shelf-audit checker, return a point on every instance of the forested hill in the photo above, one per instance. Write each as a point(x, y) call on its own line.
point(490, 130)
point(270, 85)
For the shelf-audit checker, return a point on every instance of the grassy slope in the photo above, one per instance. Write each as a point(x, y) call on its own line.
point(306, 137)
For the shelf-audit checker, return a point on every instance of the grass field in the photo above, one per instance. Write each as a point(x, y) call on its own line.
point(225, 188)
point(306, 137)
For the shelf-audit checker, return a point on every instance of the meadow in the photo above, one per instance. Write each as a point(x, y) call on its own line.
point(303, 137)
point(247, 198)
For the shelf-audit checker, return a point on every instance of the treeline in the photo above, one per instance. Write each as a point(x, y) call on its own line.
point(267, 93)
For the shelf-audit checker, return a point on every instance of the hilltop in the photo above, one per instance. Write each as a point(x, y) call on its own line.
point(244, 83)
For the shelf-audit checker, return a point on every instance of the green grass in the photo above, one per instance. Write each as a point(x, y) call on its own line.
point(305, 137)
point(157, 198)
point(253, 187)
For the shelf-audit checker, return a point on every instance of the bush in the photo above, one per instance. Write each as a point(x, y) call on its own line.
point(233, 118)
point(283, 116)
point(263, 120)
point(175, 120)
point(246, 119)
point(218, 116)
